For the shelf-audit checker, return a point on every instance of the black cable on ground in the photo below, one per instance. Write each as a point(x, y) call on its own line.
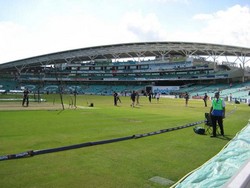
point(168, 130)
point(87, 144)
point(39, 152)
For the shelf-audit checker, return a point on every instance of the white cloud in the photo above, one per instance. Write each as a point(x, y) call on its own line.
point(58, 34)
point(13, 39)
point(203, 17)
point(230, 26)
point(172, 1)
point(144, 28)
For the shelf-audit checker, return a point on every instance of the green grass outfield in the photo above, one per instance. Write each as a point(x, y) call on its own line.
point(122, 164)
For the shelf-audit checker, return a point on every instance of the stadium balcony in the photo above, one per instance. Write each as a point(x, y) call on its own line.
point(194, 89)
point(95, 89)
point(8, 84)
point(238, 92)
point(31, 88)
point(51, 89)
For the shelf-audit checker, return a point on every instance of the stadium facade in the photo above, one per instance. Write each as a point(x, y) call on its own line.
point(148, 63)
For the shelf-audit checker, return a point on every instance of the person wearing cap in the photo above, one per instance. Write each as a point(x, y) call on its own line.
point(217, 112)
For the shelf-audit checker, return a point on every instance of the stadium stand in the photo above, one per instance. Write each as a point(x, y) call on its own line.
point(101, 70)
point(133, 66)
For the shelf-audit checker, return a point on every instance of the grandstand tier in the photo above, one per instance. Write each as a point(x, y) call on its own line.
point(133, 66)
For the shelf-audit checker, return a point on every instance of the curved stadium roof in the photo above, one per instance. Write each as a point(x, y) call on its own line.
point(130, 50)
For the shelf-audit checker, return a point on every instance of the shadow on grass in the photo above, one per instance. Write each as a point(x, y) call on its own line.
point(60, 112)
point(229, 137)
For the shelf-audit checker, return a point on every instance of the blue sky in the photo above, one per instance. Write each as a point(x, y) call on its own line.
point(35, 27)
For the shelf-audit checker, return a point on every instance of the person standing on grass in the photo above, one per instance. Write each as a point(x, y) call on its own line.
point(186, 97)
point(25, 97)
point(217, 112)
point(231, 97)
point(205, 99)
point(118, 97)
point(158, 96)
point(137, 98)
point(149, 96)
point(115, 98)
point(132, 97)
